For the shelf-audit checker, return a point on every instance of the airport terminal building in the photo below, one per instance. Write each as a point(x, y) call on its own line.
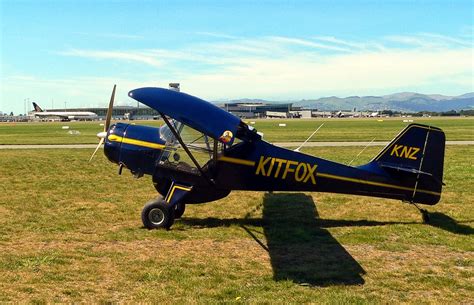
point(258, 110)
point(242, 110)
point(245, 109)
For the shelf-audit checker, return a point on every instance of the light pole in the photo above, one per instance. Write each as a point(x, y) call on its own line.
point(25, 103)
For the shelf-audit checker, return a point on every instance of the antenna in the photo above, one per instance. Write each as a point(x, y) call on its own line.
point(298, 149)
point(361, 151)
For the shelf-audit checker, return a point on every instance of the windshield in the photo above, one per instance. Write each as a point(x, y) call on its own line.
point(200, 145)
point(167, 135)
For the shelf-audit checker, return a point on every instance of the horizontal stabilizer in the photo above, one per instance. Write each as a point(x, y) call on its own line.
point(410, 170)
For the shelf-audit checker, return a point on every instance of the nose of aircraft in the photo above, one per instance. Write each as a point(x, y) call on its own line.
point(102, 134)
point(113, 141)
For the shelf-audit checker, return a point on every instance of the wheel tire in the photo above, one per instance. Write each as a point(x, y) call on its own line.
point(180, 207)
point(157, 214)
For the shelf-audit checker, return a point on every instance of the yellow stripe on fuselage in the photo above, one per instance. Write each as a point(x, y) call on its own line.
point(237, 161)
point(115, 138)
point(336, 177)
point(393, 186)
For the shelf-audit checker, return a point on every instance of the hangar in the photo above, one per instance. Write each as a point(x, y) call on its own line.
point(243, 110)
point(263, 110)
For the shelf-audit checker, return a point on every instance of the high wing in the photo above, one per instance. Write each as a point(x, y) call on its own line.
point(192, 111)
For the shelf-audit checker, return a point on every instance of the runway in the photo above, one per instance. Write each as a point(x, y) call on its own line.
point(281, 144)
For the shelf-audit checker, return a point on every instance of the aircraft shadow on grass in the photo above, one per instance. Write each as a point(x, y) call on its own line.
point(443, 221)
point(300, 249)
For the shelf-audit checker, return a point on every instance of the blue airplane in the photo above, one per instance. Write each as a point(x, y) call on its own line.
point(202, 153)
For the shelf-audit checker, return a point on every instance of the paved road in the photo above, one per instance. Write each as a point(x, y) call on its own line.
point(282, 144)
point(376, 143)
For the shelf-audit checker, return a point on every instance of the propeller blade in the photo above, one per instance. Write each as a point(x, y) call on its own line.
point(109, 111)
point(103, 134)
point(97, 148)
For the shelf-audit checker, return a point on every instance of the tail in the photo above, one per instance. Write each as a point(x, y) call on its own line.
point(415, 158)
point(37, 108)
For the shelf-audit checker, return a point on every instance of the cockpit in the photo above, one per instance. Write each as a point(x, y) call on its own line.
point(201, 149)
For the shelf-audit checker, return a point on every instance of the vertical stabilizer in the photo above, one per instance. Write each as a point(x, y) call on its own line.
point(37, 108)
point(415, 157)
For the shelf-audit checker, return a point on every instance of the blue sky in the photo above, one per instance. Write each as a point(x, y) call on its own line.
point(54, 52)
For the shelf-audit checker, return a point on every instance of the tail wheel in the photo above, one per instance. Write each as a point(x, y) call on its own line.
point(157, 214)
point(179, 209)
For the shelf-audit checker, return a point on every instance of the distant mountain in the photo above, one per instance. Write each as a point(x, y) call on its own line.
point(403, 101)
point(467, 95)
point(248, 101)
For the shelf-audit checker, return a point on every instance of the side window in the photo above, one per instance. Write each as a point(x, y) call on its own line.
point(200, 145)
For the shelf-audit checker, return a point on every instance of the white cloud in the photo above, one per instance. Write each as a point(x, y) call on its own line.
point(431, 40)
point(337, 41)
point(116, 55)
point(274, 68)
point(110, 35)
point(308, 43)
point(363, 73)
point(216, 35)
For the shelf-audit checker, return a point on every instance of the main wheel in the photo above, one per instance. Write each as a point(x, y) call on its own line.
point(179, 209)
point(157, 214)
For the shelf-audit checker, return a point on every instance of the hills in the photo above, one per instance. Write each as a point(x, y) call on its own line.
point(402, 101)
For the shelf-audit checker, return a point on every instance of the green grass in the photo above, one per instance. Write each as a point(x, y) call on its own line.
point(296, 130)
point(53, 132)
point(358, 129)
point(70, 231)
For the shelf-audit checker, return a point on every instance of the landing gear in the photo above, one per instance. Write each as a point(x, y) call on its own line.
point(424, 213)
point(162, 211)
point(157, 213)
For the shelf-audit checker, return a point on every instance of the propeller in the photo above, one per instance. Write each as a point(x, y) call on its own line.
point(101, 135)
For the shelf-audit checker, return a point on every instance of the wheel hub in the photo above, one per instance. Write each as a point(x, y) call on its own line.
point(156, 216)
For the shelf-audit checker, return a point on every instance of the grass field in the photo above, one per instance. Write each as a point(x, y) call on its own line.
point(295, 131)
point(70, 231)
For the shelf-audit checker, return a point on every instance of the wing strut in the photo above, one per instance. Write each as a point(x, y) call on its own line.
point(298, 149)
point(178, 137)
